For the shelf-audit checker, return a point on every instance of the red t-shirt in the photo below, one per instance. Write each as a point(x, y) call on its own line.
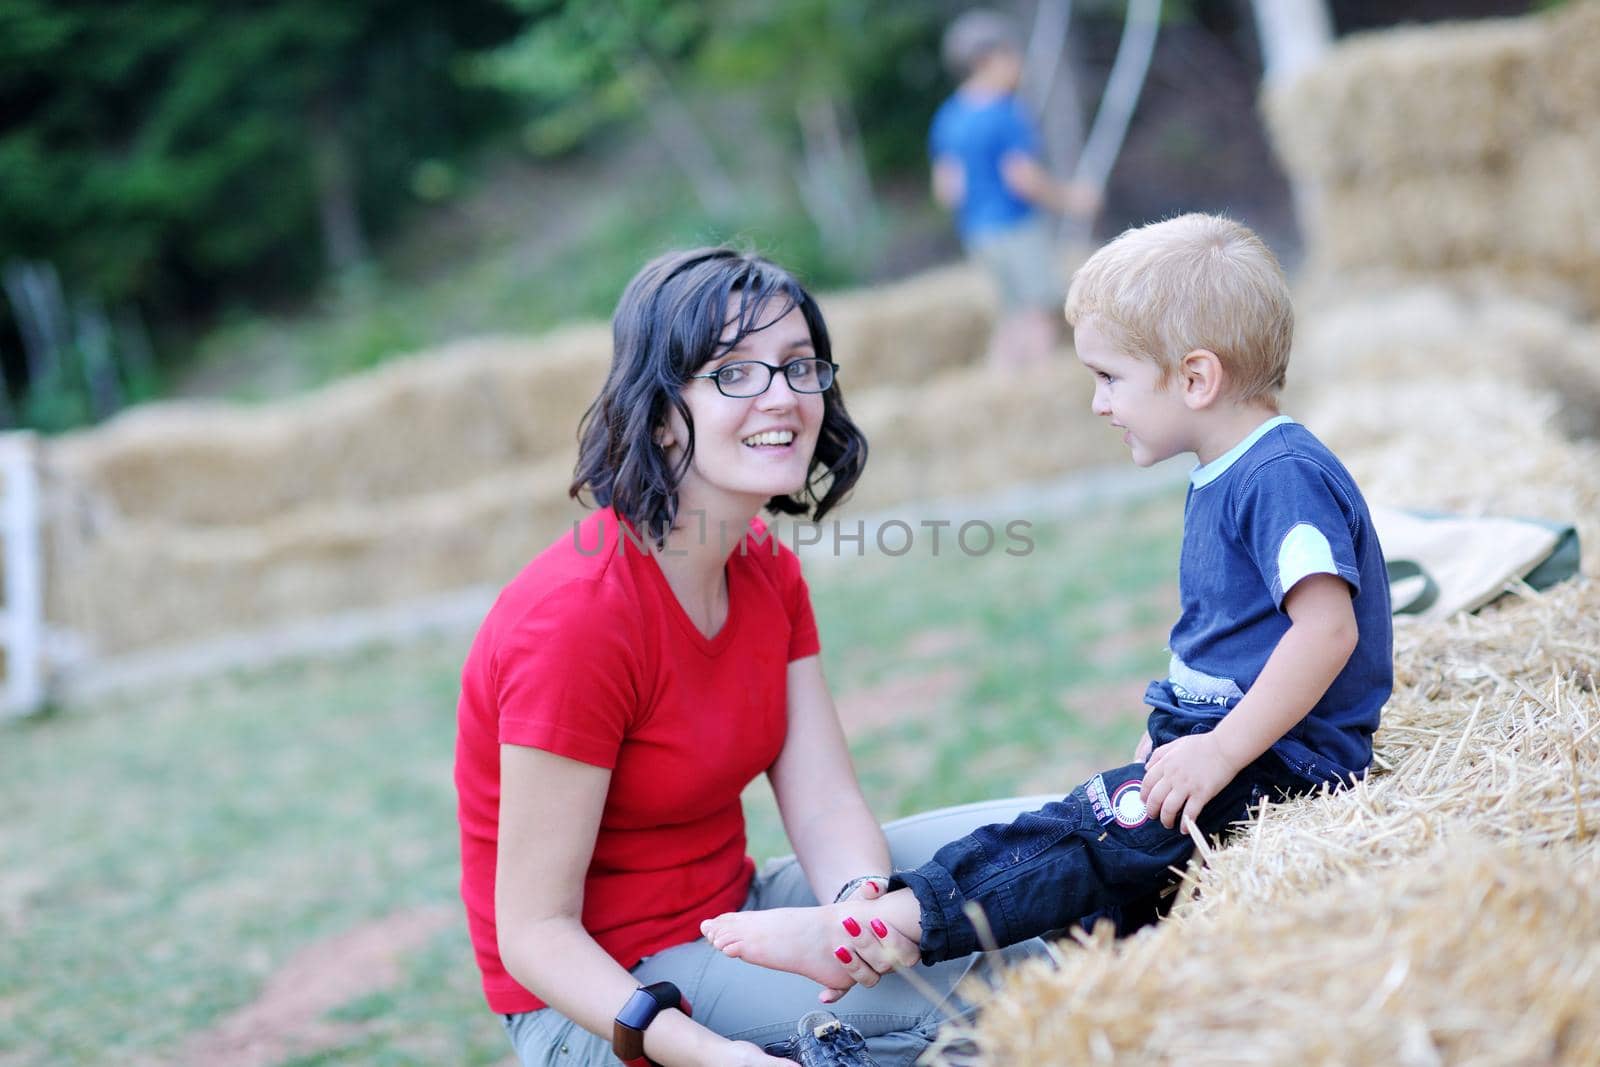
point(589, 655)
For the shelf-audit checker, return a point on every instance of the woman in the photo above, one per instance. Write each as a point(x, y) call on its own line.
point(636, 676)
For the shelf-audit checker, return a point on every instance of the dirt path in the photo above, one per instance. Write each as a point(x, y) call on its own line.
point(287, 1019)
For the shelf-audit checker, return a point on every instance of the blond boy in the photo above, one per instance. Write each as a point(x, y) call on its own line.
point(1281, 658)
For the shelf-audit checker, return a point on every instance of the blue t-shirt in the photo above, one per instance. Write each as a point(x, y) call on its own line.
point(978, 132)
point(1276, 508)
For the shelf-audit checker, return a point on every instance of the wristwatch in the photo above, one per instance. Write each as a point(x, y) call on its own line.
point(627, 1033)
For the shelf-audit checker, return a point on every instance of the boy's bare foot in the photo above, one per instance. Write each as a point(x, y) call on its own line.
point(799, 940)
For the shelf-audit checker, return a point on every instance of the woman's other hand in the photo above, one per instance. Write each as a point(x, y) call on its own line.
point(744, 1054)
point(876, 948)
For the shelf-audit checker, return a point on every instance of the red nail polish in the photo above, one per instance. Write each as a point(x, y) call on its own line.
point(851, 927)
point(842, 953)
point(880, 929)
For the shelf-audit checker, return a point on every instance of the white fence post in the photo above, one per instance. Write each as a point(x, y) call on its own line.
point(22, 606)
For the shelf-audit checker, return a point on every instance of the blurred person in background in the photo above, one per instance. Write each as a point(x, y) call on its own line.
point(636, 676)
point(987, 169)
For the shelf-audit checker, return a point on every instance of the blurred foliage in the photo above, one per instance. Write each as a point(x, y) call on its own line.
point(170, 158)
point(162, 151)
point(175, 164)
point(163, 154)
point(578, 64)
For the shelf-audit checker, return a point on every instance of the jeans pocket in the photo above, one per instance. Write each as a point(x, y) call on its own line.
point(1116, 800)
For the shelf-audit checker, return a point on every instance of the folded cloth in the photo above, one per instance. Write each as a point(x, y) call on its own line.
point(1442, 564)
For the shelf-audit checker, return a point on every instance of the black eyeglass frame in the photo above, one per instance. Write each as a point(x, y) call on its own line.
point(772, 373)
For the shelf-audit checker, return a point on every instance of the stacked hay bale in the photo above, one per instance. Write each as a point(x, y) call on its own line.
point(1472, 149)
point(179, 522)
point(448, 471)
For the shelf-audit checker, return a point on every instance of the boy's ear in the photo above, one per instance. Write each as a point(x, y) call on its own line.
point(1201, 375)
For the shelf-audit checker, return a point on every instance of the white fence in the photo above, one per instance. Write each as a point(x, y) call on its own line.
point(22, 590)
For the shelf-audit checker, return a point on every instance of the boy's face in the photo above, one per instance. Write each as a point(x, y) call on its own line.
point(1128, 390)
point(1001, 69)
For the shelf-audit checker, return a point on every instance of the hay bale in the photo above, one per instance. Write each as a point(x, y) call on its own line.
point(414, 426)
point(139, 585)
point(1463, 954)
point(1410, 101)
point(1551, 210)
point(1414, 222)
point(1453, 149)
point(1415, 332)
point(178, 522)
point(974, 430)
point(1569, 90)
point(1473, 448)
point(124, 584)
point(907, 331)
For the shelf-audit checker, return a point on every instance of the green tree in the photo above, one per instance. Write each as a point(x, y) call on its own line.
point(838, 82)
point(173, 154)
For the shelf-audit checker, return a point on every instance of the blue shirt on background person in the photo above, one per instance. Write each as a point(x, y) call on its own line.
point(979, 132)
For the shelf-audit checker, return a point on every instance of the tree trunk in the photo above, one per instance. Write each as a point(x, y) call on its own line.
point(679, 133)
point(1050, 91)
point(1123, 87)
point(343, 241)
point(834, 183)
point(1294, 34)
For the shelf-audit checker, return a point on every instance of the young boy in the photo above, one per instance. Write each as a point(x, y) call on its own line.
point(1281, 658)
point(986, 168)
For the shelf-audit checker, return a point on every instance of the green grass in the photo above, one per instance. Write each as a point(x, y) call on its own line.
point(543, 270)
point(161, 857)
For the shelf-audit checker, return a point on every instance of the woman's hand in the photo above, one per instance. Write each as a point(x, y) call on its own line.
point(875, 947)
point(744, 1054)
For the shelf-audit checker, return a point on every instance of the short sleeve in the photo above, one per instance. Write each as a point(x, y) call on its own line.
point(803, 637)
point(796, 596)
point(939, 134)
point(565, 677)
point(1295, 520)
point(1019, 132)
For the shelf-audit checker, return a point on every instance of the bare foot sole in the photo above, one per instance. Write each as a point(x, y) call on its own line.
point(798, 940)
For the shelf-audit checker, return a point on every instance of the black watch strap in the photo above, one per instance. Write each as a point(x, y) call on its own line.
point(627, 1032)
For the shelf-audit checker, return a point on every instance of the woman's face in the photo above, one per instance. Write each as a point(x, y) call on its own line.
point(748, 450)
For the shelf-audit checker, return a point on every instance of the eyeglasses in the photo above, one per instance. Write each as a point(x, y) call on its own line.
point(741, 380)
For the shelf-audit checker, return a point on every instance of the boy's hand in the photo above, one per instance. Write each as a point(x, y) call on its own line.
point(1080, 199)
point(1182, 775)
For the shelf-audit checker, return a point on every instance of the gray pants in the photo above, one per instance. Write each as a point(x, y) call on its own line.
point(1024, 265)
point(748, 1003)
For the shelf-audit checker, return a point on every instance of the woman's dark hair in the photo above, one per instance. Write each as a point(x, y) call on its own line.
point(670, 322)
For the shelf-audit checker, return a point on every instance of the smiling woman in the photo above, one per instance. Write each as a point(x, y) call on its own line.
point(619, 698)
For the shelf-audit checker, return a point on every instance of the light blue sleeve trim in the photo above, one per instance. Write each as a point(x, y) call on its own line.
point(1207, 473)
point(1304, 551)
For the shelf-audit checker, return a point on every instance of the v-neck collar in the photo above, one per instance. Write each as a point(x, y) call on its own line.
point(714, 644)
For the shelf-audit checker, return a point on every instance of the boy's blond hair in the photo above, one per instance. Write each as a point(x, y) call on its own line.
point(1196, 281)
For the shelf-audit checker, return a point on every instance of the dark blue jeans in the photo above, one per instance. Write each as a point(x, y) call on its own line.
point(1095, 853)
